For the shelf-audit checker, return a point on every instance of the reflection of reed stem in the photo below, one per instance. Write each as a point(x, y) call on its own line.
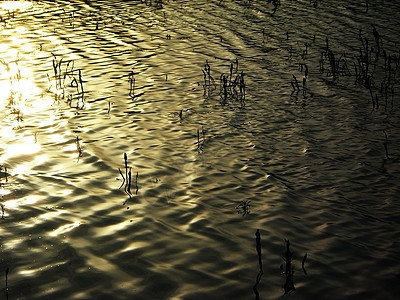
point(260, 273)
point(136, 182)
point(289, 270)
point(131, 85)
point(385, 144)
point(2, 211)
point(123, 178)
point(302, 264)
point(7, 270)
point(129, 181)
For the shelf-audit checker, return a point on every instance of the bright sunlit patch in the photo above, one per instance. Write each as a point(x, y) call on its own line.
point(22, 169)
point(64, 228)
point(17, 79)
point(16, 85)
point(6, 131)
point(4, 192)
point(6, 6)
point(20, 149)
point(12, 203)
point(31, 199)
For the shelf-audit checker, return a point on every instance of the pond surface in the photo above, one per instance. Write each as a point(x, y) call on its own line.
point(132, 169)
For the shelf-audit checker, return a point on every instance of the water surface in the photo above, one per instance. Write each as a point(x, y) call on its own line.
point(311, 163)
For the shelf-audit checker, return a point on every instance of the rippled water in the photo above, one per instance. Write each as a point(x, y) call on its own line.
point(312, 162)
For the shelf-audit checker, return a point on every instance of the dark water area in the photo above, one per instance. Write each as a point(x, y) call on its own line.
point(144, 144)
